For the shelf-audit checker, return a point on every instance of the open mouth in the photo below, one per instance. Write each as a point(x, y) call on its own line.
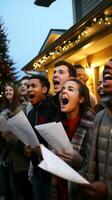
point(23, 91)
point(56, 82)
point(107, 76)
point(64, 101)
point(31, 96)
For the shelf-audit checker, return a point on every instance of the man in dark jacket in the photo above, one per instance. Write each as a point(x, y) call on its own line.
point(100, 167)
point(43, 111)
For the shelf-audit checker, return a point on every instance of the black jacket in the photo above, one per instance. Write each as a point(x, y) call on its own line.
point(42, 113)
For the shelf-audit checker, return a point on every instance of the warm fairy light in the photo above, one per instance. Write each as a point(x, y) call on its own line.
point(66, 45)
point(89, 70)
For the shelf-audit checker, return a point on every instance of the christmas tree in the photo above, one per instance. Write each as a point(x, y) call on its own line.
point(7, 70)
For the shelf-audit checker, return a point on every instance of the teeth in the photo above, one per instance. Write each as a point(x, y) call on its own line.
point(107, 77)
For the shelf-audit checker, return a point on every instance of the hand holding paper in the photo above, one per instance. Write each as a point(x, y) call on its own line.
point(56, 136)
point(56, 166)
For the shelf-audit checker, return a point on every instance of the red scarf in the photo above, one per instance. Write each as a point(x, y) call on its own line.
point(70, 126)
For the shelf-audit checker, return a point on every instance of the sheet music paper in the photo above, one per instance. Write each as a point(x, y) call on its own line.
point(55, 136)
point(21, 128)
point(58, 167)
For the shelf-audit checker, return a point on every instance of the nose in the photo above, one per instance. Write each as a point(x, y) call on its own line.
point(63, 90)
point(29, 88)
point(101, 86)
point(8, 91)
point(55, 75)
point(22, 86)
point(81, 76)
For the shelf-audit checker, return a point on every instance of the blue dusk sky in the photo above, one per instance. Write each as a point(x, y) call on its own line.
point(28, 25)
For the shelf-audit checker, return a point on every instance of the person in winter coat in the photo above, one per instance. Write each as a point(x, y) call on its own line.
point(14, 172)
point(43, 111)
point(77, 120)
point(100, 166)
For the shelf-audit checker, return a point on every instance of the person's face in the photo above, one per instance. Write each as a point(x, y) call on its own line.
point(70, 98)
point(81, 75)
point(100, 88)
point(9, 93)
point(60, 76)
point(36, 92)
point(107, 78)
point(23, 87)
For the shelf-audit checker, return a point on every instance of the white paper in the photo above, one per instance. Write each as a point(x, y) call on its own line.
point(20, 126)
point(3, 124)
point(43, 126)
point(56, 136)
point(58, 167)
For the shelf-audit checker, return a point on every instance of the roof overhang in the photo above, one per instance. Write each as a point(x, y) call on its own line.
point(93, 27)
point(53, 35)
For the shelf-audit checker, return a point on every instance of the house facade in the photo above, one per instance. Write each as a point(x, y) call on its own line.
point(87, 42)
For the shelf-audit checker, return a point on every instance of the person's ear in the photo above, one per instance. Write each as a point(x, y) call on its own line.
point(81, 99)
point(44, 90)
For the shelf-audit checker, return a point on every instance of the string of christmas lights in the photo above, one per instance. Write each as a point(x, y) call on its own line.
point(67, 45)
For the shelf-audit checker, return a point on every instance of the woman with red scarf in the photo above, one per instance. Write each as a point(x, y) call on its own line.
point(77, 119)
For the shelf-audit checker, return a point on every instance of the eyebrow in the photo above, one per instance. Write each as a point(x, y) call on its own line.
point(71, 87)
point(31, 84)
